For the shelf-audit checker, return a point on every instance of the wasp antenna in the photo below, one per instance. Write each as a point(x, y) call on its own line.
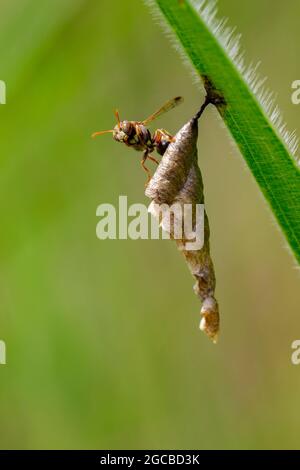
point(101, 133)
point(117, 116)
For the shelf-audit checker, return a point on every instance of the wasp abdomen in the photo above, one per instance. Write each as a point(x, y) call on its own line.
point(161, 140)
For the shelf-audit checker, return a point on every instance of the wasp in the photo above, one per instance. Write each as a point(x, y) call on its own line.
point(136, 134)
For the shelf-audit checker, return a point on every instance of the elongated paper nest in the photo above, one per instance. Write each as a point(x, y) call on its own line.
point(178, 180)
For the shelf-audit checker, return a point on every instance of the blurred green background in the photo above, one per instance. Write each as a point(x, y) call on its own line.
point(103, 346)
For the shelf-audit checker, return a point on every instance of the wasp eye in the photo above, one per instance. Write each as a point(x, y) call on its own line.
point(126, 127)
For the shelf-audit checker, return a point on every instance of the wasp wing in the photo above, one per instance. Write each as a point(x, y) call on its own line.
point(166, 107)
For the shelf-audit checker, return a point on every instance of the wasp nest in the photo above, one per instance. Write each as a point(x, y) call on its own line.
point(178, 180)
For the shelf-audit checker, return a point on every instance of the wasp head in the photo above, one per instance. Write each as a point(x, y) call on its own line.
point(122, 131)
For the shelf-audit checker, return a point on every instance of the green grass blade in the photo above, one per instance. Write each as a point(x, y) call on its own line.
point(251, 117)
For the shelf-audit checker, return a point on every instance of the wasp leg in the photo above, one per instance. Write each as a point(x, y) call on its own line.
point(145, 156)
point(153, 159)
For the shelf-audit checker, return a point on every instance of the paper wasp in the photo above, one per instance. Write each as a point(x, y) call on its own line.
point(135, 134)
